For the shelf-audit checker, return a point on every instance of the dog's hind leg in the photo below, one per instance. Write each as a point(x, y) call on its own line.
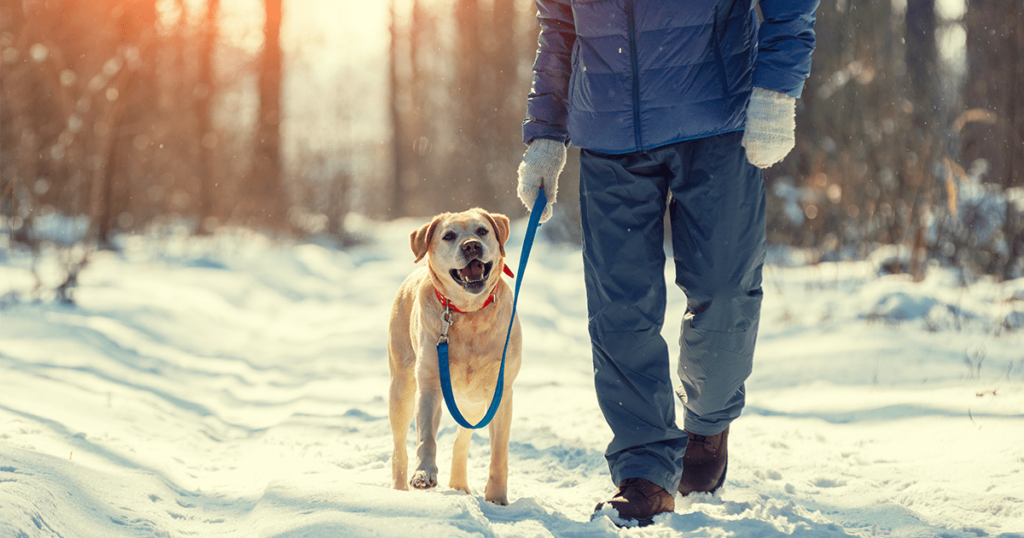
point(460, 454)
point(401, 403)
point(402, 391)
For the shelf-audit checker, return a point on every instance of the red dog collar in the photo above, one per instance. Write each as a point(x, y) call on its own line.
point(448, 304)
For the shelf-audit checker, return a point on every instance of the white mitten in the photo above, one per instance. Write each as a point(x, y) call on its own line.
point(541, 166)
point(771, 126)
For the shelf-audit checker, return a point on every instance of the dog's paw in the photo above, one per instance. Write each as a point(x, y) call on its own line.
point(500, 500)
point(460, 487)
point(496, 492)
point(423, 480)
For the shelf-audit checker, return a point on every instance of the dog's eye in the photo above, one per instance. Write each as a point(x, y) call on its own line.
point(450, 236)
point(481, 231)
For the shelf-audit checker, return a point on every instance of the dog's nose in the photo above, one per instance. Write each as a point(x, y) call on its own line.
point(472, 249)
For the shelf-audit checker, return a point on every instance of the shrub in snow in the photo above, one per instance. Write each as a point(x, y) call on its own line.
point(943, 317)
point(1014, 321)
point(978, 228)
point(790, 197)
point(899, 306)
point(62, 231)
point(985, 233)
point(891, 259)
point(9, 300)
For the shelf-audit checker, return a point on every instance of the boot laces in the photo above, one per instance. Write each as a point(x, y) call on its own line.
point(705, 441)
point(645, 487)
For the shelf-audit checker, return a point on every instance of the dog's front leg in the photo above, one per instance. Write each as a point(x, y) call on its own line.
point(460, 454)
point(500, 430)
point(428, 419)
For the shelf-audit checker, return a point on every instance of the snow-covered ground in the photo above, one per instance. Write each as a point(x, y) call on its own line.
point(236, 386)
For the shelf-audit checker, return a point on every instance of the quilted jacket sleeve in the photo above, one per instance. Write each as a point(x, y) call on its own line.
point(547, 108)
point(785, 44)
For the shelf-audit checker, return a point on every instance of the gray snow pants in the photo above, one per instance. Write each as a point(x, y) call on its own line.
point(717, 212)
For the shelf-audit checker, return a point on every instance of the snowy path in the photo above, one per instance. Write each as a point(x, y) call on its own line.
point(236, 387)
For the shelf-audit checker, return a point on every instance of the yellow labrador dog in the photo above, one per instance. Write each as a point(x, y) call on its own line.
point(465, 255)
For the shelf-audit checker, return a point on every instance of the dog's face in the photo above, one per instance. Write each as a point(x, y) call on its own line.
point(463, 249)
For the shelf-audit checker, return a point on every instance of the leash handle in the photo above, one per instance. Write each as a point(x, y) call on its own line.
point(442, 347)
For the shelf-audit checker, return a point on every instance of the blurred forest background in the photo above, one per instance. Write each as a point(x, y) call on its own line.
point(131, 115)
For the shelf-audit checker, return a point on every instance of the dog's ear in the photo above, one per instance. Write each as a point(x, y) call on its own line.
point(419, 240)
point(500, 223)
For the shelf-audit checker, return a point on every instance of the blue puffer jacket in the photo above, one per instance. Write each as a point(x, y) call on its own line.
point(618, 76)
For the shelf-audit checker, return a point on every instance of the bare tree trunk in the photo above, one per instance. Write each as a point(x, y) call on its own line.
point(16, 128)
point(505, 138)
point(922, 62)
point(101, 210)
point(205, 86)
point(918, 180)
point(421, 124)
point(470, 170)
point(1015, 106)
point(24, 173)
point(33, 111)
point(995, 82)
point(1013, 227)
point(269, 203)
point(396, 205)
point(132, 95)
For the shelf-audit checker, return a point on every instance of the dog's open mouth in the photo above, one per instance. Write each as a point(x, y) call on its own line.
point(474, 276)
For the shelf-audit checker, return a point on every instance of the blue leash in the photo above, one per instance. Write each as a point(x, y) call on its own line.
point(442, 344)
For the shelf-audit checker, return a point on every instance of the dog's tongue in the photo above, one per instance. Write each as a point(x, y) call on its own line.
point(474, 271)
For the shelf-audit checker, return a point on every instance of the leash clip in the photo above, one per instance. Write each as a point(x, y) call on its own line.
point(446, 322)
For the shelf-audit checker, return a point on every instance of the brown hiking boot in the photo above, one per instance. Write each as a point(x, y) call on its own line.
point(705, 463)
point(639, 500)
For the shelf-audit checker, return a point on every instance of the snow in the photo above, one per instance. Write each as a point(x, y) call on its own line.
point(236, 386)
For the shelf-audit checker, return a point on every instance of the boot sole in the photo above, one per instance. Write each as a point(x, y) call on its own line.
point(629, 523)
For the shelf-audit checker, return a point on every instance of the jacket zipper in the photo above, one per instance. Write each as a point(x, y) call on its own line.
point(636, 75)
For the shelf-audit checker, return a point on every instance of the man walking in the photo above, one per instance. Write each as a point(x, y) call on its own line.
point(676, 106)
